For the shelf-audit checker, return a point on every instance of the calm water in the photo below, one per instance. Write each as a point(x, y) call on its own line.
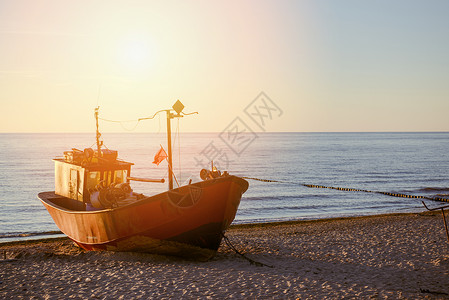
point(410, 163)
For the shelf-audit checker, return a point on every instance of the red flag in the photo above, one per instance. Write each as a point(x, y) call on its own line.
point(160, 156)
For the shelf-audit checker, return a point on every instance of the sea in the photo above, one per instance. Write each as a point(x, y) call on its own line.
point(395, 162)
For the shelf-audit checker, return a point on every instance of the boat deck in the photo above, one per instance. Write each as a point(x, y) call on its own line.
point(75, 205)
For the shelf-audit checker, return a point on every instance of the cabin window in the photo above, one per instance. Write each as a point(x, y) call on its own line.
point(120, 176)
point(74, 183)
point(93, 179)
point(107, 178)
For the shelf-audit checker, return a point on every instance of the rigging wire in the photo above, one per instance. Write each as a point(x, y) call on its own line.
point(188, 114)
point(122, 123)
point(159, 129)
point(152, 117)
point(127, 129)
point(176, 142)
point(177, 133)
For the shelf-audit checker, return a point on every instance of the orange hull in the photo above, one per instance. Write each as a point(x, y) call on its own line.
point(180, 222)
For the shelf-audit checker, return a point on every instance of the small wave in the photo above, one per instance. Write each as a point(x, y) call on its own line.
point(255, 210)
point(306, 207)
point(433, 189)
point(285, 197)
point(26, 234)
point(443, 195)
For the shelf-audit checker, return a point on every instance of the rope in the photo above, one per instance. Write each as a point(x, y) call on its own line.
point(128, 121)
point(251, 261)
point(122, 123)
point(266, 180)
point(118, 121)
point(352, 190)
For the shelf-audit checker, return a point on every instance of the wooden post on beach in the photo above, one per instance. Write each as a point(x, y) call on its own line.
point(445, 224)
point(444, 217)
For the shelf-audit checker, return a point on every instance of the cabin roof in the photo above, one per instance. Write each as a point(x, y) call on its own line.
point(104, 165)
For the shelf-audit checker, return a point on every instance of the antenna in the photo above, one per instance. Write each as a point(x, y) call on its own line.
point(98, 134)
point(98, 96)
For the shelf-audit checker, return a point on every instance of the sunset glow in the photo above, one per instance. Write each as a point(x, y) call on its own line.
point(346, 66)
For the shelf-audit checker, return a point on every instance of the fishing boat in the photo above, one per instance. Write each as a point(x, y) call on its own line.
point(95, 206)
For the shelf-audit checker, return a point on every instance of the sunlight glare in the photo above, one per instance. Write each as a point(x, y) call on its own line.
point(136, 53)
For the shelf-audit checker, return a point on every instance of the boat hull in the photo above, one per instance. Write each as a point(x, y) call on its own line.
point(188, 221)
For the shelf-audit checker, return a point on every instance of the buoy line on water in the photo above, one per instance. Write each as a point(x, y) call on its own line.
point(351, 189)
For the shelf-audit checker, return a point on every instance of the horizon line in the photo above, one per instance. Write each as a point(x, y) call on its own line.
point(257, 132)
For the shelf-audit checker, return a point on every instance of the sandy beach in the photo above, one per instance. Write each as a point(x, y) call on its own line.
point(387, 256)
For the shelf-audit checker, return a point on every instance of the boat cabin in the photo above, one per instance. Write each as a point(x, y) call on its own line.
point(80, 172)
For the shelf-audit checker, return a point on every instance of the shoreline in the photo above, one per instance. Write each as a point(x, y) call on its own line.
point(30, 237)
point(400, 255)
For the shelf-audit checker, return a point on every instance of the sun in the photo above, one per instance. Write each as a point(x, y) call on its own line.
point(136, 53)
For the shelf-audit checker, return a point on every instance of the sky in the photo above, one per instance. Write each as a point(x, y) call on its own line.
point(306, 66)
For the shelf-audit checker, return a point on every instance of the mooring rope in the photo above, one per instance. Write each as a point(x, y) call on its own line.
point(352, 189)
point(251, 261)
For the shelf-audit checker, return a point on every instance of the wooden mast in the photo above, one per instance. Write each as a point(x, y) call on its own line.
point(177, 107)
point(170, 159)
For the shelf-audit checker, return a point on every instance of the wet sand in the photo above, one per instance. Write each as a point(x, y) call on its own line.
point(387, 256)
